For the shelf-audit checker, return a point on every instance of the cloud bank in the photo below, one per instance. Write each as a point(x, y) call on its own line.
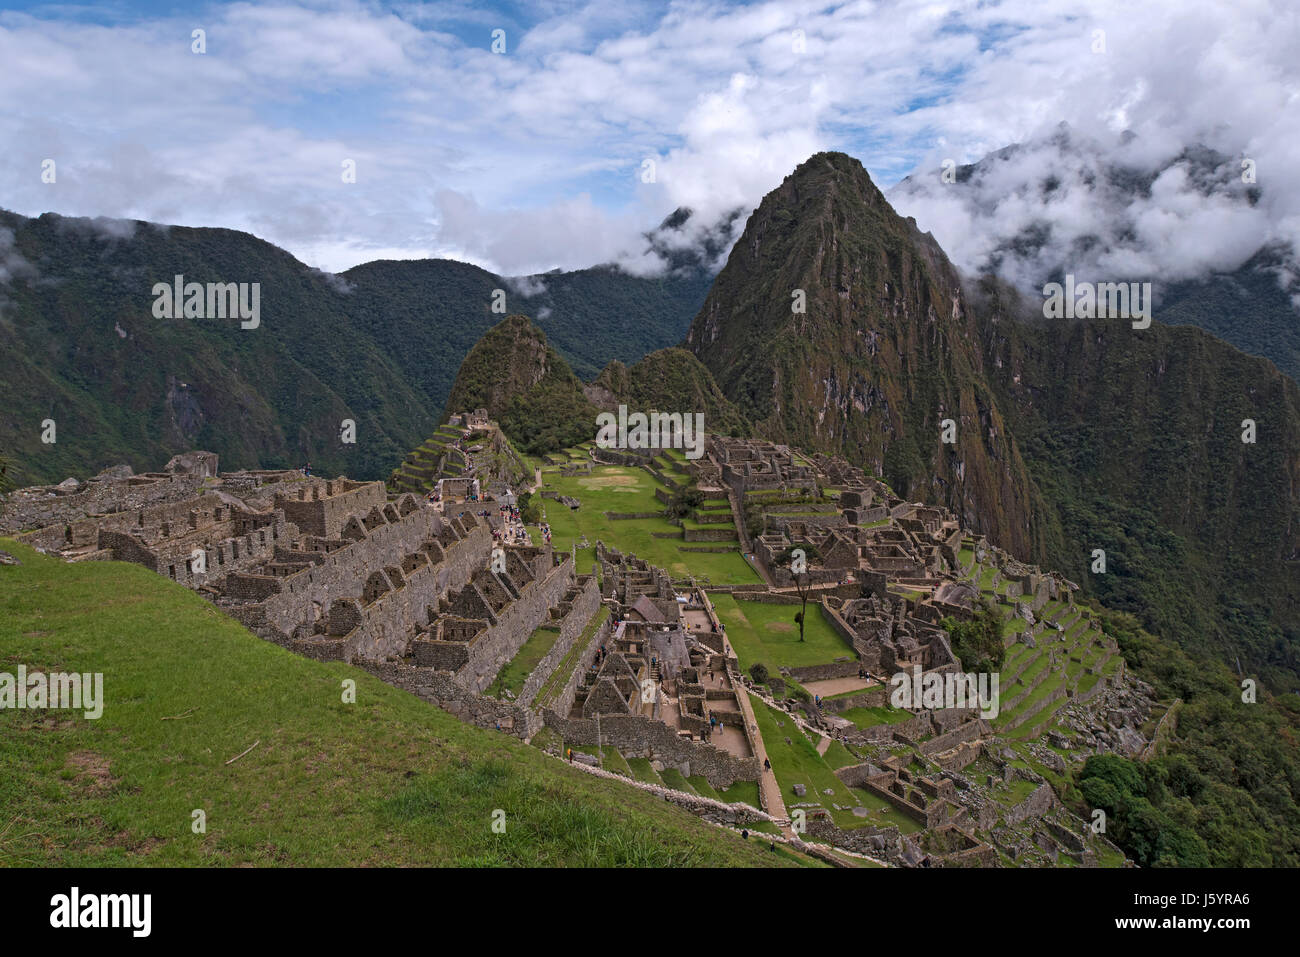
point(597, 122)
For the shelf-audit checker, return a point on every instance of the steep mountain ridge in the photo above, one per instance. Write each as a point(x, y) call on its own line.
point(1071, 436)
point(1136, 438)
point(885, 350)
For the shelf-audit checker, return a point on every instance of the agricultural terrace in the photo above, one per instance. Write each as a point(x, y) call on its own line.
point(622, 490)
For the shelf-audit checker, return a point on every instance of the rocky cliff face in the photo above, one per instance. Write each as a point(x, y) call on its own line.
point(836, 325)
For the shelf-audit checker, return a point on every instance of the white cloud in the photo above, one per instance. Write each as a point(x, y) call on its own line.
point(532, 160)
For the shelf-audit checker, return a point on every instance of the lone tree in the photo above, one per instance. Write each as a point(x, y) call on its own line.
point(530, 509)
point(797, 558)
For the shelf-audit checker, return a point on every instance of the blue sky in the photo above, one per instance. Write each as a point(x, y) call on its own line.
point(532, 159)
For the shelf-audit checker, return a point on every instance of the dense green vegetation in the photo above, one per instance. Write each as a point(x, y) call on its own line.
point(1223, 790)
point(379, 345)
point(526, 387)
point(386, 781)
point(552, 415)
point(978, 640)
point(670, 380)
point(1200, 529)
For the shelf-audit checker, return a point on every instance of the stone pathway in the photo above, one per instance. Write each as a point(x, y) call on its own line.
point(823, 746)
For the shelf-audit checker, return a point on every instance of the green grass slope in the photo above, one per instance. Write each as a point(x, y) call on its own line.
point(388, 780)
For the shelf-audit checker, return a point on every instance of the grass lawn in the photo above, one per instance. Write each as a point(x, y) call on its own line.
point(674, 779)
point(702, 786)
point(387, 781)
point(643, 771)
point(612, 760)
point(884, 814)
point(838, 756)
point(631, 490)
point(512, 677)
point(799, 763)
point(767, 633)
point(744, 792)
point(870, 717)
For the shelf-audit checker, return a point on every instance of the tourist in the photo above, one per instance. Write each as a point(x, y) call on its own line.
point(570, 755)
point(744, 834)
point(767, 765)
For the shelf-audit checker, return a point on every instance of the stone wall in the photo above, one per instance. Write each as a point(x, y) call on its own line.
point(1042, 800)
point(963, 733)
point(836, 669)
point(323, 510)
point(42, 506)
point(495, 647)
point(638, 736)
point(717, 812)
point(442, 690)
point(585, 604)
point(869, 698)
point(284, 604)
point(563, 702)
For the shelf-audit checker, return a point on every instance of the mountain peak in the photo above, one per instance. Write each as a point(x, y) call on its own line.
point(525, 385)
point(837, 326)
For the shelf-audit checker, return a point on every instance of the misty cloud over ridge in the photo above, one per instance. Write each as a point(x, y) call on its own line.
point(1101, 208)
